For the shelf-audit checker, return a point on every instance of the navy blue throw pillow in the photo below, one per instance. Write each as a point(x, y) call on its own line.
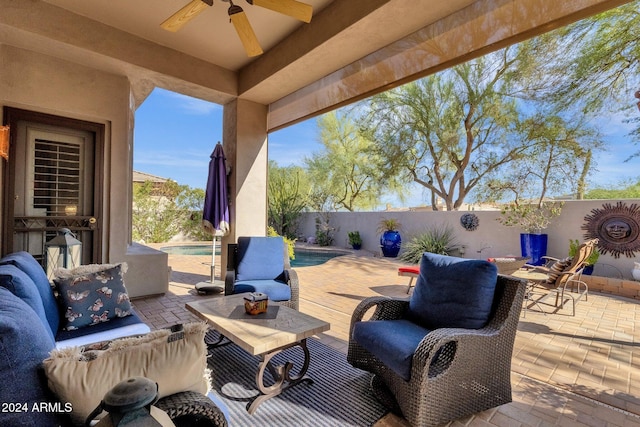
point(92, 294)
point(453, 292)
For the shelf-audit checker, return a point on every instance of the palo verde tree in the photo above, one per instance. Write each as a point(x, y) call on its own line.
point(459, 130)
point(345, 173)
point(557, 159)
point(448, 131)
point(598, 72)
point(288, 196)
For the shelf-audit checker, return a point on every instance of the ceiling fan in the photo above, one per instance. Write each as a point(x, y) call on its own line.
point(293, 8)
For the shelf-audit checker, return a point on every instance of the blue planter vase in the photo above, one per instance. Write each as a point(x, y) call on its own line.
point(533, 246)
point(390, 242)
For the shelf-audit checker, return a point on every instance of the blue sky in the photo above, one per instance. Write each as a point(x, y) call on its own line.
point(175, 134)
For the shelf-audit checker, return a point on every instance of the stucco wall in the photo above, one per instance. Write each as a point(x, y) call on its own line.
point(49, 85)
point(490, 239)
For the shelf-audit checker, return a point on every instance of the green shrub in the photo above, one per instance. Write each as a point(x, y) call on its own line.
point(436, 239)
point(354, 238)
point(291, 244)
point(574, 245)
point(324, 230)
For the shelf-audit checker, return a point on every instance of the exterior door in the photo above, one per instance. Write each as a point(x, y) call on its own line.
point(52, 184)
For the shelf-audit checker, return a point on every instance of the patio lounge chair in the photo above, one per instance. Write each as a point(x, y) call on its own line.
point(261, 264)
point(563, 277)
point(446, 352)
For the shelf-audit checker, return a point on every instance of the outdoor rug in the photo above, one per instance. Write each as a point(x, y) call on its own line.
point(339, 395)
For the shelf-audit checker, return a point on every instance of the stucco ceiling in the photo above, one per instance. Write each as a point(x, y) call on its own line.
point(350, 49)
point(209, 36)
point(296, 54)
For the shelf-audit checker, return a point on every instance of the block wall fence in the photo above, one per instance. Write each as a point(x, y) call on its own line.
point(490, 238)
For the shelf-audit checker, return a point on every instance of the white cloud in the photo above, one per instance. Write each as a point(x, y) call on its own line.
point(190, 105)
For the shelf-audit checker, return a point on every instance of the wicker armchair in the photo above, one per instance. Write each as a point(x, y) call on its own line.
point(261, 264)
point(454, 372)
point(189, 408)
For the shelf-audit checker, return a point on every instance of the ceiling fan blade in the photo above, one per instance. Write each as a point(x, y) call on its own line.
point(184, 15)
point(293, 8)
point(245, 31)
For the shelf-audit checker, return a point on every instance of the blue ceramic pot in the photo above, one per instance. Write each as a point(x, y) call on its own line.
point(533, 246)
point(588, 270)
point(390, 242)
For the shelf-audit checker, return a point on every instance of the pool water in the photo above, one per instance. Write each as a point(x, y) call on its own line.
point(304, 258)
point(189, 250)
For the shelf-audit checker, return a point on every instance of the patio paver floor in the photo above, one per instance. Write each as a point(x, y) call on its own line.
point(582, 370)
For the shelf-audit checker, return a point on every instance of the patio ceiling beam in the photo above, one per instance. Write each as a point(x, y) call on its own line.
point(342, 32)
point(482, 27)
point(260, 78)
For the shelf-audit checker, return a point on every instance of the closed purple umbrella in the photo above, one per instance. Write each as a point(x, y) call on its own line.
point(215, 215)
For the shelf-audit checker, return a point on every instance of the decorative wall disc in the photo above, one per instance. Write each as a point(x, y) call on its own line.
point(617, 228)
point(469, 221)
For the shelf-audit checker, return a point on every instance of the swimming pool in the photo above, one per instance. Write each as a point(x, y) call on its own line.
point(304, 257)
point(189, 250)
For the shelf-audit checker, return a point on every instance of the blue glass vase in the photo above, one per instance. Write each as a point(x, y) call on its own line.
point(390, 242)
point(533, 246)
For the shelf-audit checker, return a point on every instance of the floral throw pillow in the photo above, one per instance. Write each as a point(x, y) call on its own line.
point(92, 294)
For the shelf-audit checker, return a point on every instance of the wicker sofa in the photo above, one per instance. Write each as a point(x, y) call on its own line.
point(23, 275)
point(28, 334)
point(461, 364)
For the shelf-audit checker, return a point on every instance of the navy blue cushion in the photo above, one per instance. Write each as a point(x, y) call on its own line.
point(117, 322)
point(27, 263)
point(276, 291)
point(21, 285)
point(260, 258)
point(393, 342)
point(453, 292)
point(24, 344)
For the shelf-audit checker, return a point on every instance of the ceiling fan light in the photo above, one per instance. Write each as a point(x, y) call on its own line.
point(295, 9)
point(244, 30)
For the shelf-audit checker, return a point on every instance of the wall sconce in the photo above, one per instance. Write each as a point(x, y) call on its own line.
point(70, 210)
point(4, 142)
point(63, 251)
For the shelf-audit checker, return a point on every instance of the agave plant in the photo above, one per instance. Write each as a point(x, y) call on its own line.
point(436, 239)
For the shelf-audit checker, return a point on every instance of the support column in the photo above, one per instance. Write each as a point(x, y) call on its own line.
point(245, 145)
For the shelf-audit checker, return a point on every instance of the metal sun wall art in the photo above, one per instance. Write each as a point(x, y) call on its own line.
point(617, 228)
point(469, 221)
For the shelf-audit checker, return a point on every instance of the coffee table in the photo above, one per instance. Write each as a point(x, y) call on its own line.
point(263, 335)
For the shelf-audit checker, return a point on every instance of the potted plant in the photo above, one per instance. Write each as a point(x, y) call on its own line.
point(354, 239)
point(589, 262)
point(532, 219)
point(390, 240)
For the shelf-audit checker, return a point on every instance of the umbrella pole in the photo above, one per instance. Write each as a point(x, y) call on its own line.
point(211, 286)
point(213, 260)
